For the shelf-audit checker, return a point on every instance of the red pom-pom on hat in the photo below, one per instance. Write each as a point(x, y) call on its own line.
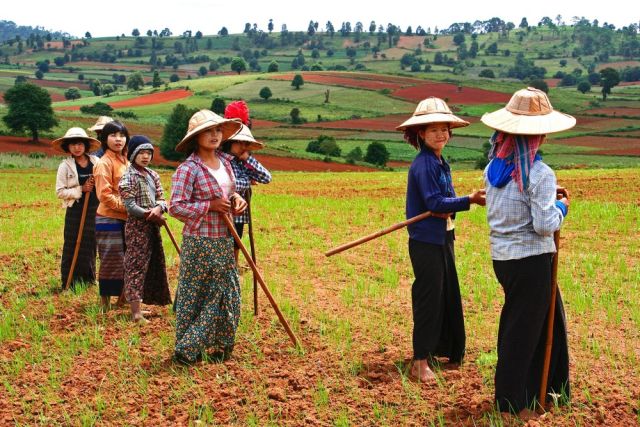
point(237, 110)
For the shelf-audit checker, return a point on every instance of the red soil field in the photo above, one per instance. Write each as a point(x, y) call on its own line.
point(384, 123)
point(58, 83)
point(552, 82)
point(618, 65)
point(617, 111)
point(410, 42)
point(15, 144)
point(344, 81)
point(150, 99)
point(608, 144)
point(468, 95)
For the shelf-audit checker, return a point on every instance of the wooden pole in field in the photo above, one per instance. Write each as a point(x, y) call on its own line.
point(378, 234)
point(78, 240)
point(252, 246)
point(175, 244)
point(550, 319)
point(229, 221)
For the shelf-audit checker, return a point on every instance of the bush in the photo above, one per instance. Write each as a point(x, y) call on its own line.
point(488, 73)
point(354, 155)
point(324, 145)
point(72, 93)
point(377, 154)
point(98, 109)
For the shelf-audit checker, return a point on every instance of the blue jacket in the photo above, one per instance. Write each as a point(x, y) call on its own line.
point(430, 188)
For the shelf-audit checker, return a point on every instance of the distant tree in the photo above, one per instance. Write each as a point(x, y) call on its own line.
point(218, 105)
point(295, 116)
point(488, 73)
point(492, 49)
point(198, 35)
point(238, 65)
point(20, 79)
point(540, 85)
point(174, 130)
point(297, 81)
point(39, 75)
point(584, 86)
point(81, 77)
point(594, 78)
point(325, 145)
point(563, 63)
point(149, 33)
point(87, 35)
point(273, 67)
point(29, 108)
point(96, 87)
point(97, 109)
point(72, 93)
point(458, 39)
point(523, 23)
point(135, 32)
point(609, 78)
point(202, 71)
point(265, 93)
point(270, 26)
point(223, 32)
point(174, 78)
point(377, 154)
point(108, 89)
point(355, 154)
point(135, 81)
point(568, 80)
point(156, 81)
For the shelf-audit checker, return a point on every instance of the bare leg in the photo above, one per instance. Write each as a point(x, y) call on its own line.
point(105, 303)
point(136, 312)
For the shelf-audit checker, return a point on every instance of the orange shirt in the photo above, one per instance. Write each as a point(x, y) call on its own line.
point(107, 173)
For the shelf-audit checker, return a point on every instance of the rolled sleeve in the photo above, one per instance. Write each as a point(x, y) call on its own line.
point(547, 217)
point(180, 205)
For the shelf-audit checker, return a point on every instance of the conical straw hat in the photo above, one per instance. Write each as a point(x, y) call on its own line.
point(245, 135)
point(75, 133)
point(529, 112)
point(203, 120)
point(433, 110)
point(102, 120)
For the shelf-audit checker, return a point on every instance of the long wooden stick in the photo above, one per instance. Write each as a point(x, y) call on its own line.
point(78, 240)
point(252, 245)
point(551, 318)
point(378, 234)
point(175, 244)
point(229, 221)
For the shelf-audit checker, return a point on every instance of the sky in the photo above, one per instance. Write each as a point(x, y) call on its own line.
point(115, 17)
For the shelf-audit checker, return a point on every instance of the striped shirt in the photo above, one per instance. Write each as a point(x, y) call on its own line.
point(141, 191)
point(192, 189)
point(246, 172)
point(522, 223)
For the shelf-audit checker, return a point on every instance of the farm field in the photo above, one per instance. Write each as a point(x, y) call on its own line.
point(64, 363)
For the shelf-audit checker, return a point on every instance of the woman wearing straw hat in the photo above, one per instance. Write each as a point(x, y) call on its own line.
point(74, 183)
point(438, 323)
point(111, 214)
point(523, 213)
point(246, 168)
point(203, 189)
point(97, 128)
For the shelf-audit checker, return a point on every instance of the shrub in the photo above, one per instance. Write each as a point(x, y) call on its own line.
point(98, 109)
point(377, 154)
point(324, 145)
point(488, 73)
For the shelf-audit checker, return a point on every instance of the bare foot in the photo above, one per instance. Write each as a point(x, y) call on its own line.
point(420, 372)
point(140, 320)
point(527, 414)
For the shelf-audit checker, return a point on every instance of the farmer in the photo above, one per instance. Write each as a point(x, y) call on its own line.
point(523, 214)
point(111, 214)
point(246, 168)
point(74, 183)
point(203, 189)
point(145, 272)
point(97, 128)
point(438, 323)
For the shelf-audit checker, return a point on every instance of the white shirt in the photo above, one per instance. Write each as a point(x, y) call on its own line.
point(222, 177)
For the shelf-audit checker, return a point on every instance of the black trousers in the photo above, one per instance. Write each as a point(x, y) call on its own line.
point(522, 334)
point(438, 322)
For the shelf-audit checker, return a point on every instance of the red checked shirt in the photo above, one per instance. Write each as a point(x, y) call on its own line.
point(192, 188)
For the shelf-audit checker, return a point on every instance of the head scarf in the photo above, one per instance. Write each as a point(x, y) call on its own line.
point(516, 153)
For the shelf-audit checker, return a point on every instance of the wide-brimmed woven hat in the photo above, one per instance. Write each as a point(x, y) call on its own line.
point(72, 134)
point(203, 120)
point(528, 112)
point(433, 110)
point(245, 135)
point(102, 120)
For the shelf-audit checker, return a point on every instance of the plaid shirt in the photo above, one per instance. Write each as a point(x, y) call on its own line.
point(141, 191)
point(522, 223)
point(192, 187)
point(246, 172)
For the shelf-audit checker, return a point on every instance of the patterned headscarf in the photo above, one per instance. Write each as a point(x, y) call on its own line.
point(517, 150)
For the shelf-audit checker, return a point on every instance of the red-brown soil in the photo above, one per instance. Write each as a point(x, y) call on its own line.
point(152, 98)
point(15, 144)
point(616, 111)
point(58, 83)
point(450, 92)
point(385, 123)
point(411, 42)
point(344, 81)
point(618, 65)
point(609, 145)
